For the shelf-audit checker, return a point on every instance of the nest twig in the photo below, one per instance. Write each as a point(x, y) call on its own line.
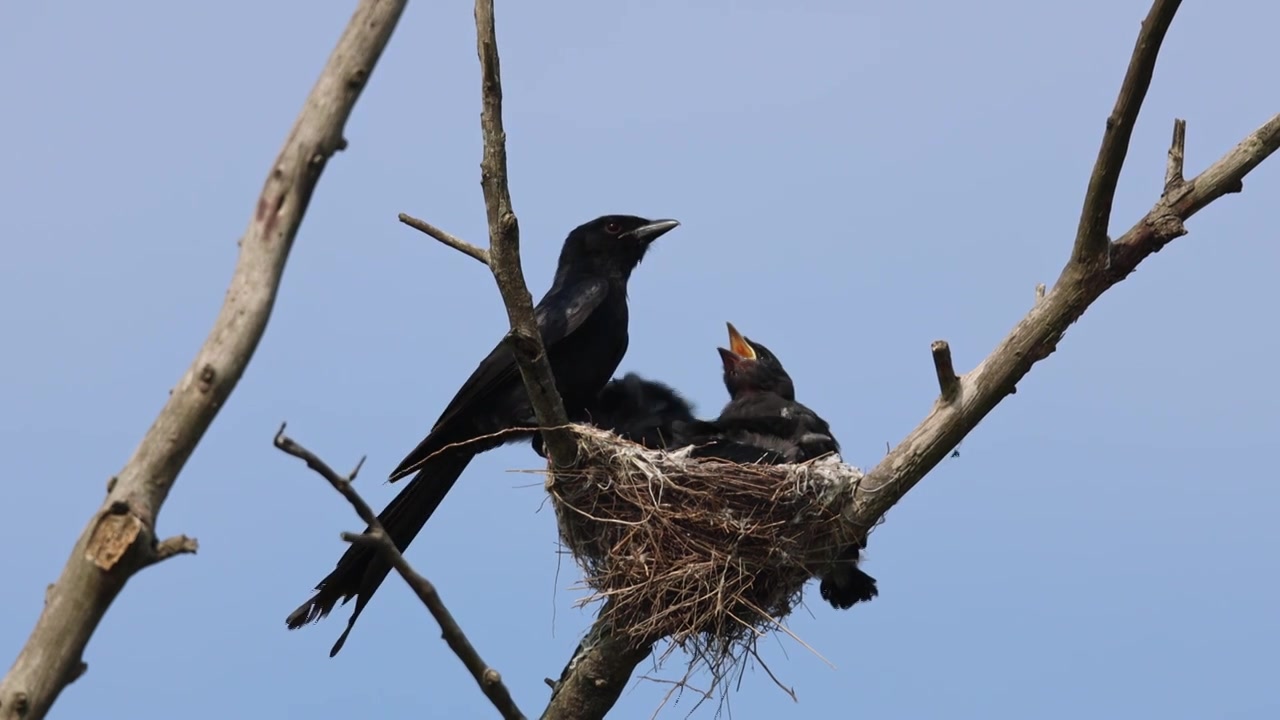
point(707, 553)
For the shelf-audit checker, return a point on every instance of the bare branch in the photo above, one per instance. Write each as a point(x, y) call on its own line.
point(120, 538)
point(1037, 335)
point(596, 675)
point(1095, 217)
point(452, 241)
point(504, 251)
point(489, 680)
point(590, 683)
point(947, 380)
point(1177, 155)
point(176, 545)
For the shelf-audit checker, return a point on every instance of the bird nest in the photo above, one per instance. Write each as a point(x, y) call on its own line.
point(707, 553)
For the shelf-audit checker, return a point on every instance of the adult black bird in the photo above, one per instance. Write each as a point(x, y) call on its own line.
point(633, 408)
point(763, 423)
point(583, 322)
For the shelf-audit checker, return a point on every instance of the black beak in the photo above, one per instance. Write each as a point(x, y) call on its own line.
point(730, 359)
point(652, 231)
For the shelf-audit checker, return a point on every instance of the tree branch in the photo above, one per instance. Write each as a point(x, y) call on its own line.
point(504, 251)
point(591, 682)
point(452, 241)
point(596, 675)
point(1038, 334)
point(948, 383)
point(1173, 179)
point(489, 680)
point(1095, 217)
point(120, 538)
point(594, 684)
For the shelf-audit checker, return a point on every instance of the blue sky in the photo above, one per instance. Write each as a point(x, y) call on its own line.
point(854, 181)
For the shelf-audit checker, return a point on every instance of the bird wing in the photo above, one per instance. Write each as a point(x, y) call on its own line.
point(559, 314)
point(792, 431)
point(815, 438)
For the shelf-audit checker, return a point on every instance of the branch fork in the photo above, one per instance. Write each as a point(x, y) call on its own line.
point(489, 680)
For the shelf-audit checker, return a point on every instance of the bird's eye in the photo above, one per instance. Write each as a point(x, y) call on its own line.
point(613, 228)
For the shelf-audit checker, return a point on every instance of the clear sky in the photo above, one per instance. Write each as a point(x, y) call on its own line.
point(854, 180)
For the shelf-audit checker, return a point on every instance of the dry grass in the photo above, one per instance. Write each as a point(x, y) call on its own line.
point(707, 553)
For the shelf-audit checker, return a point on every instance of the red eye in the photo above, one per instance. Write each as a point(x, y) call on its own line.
point(613, 228)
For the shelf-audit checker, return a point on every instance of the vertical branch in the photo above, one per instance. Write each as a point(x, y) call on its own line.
point(948, 383)
point(120, 539)
point(1173, 179)
point(504, 250)
point(594, 678)
point(1095, 216)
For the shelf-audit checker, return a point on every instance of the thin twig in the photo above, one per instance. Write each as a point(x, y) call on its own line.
point(451, 240)
point(1095, 216)
point(1177, 156)
point(947, 380)
point(176, 545)
point(116, 545)
point(504, 250)
point(489, 680)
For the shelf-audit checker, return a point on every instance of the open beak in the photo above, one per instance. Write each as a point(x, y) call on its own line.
point(652, 231)
point(730, 359)
point(739, 345)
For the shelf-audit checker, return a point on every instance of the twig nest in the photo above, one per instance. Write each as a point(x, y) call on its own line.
point(705, 552)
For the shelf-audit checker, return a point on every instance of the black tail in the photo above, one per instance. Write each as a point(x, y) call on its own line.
point(845, 584)
point(360, 570)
